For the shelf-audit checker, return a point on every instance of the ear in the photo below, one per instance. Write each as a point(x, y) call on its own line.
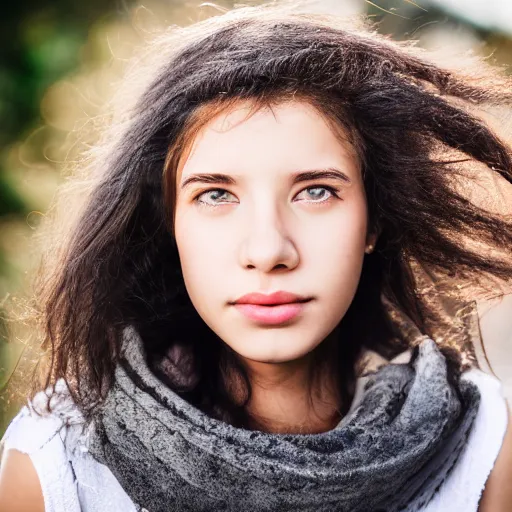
point(371, 241)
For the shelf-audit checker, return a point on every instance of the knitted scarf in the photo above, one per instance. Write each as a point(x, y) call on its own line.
point(391, 453)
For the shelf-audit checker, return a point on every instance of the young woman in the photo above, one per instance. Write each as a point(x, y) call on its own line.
point(254, 223)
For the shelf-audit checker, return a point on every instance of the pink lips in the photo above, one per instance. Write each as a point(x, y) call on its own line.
point(273, 309)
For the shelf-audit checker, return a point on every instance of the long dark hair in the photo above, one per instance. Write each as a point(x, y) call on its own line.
point(413, 127)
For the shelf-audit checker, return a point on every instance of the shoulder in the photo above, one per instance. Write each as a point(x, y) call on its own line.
point(488, 454)
point(55, 444)
point(20, 489)
point(35, 471)
point(471, 478)
point(497, 494)
point(36, 425)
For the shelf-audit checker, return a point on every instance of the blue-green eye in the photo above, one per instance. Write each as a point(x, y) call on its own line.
point(317, 194)
point(214, 196)
point(217, 196)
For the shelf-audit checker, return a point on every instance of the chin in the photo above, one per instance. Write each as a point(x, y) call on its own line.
point(274, 352)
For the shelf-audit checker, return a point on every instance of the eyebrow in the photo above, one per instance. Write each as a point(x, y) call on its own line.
point(298, 177)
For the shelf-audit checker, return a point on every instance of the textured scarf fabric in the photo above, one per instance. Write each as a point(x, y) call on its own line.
point(391, 453)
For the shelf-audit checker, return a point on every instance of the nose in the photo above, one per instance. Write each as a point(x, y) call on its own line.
point(267, 245)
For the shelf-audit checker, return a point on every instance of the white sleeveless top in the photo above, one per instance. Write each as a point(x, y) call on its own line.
point(72, 481)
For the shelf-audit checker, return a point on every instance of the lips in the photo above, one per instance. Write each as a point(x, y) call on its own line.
point(274, 309)
point(273, 299)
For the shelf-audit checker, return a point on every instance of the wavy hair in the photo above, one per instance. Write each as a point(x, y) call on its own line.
point(413, 124)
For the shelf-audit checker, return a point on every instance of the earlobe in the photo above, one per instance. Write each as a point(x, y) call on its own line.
point(371, 240)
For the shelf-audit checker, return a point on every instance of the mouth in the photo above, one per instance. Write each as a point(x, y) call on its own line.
point(273, 309)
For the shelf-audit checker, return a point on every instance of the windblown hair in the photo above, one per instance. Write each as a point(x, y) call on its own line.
point(404, 116)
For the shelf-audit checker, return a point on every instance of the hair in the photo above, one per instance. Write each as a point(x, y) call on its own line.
point(412, 124)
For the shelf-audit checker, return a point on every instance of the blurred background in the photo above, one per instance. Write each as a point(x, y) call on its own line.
point(57, 63)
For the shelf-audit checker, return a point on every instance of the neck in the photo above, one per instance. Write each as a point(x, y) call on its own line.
point(291, 407)
point(284, 400)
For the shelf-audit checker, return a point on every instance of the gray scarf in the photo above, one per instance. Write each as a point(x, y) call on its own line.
point(391, 453)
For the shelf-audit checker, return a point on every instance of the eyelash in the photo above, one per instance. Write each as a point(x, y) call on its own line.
point(332, 190)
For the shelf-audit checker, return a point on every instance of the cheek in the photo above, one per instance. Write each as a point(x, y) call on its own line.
point(334, 254)
point(338, 239)
point(202, 252)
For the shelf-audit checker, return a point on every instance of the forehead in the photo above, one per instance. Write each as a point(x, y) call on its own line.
point(243, 137)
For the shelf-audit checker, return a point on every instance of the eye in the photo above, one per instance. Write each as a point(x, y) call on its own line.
point(214, 197)
point(317, 194)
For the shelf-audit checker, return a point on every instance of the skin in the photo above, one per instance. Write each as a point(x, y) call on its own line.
point(264, 233)
point(20, 490)
point(269, 240)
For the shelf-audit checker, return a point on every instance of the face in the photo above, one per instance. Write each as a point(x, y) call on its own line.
point(272, 202)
